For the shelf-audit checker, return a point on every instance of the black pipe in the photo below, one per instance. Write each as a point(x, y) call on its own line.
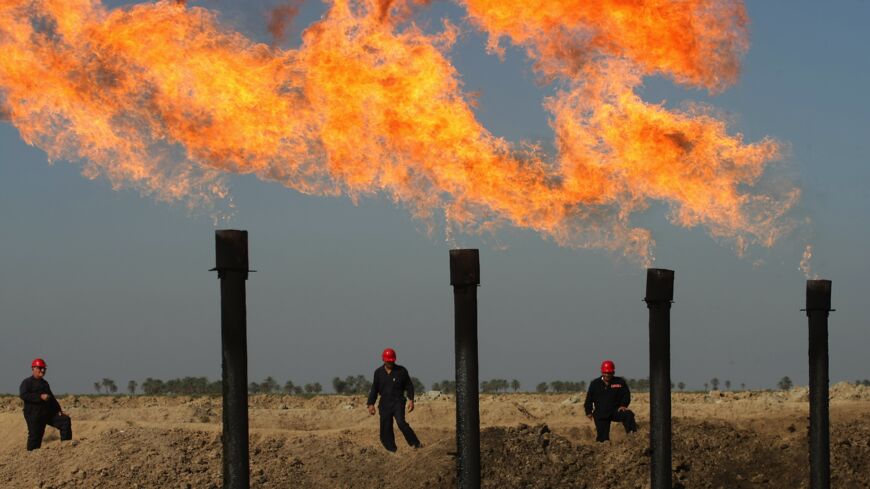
point(818, 308)
point(659, 294)
point(232, 267)
point(465, 278)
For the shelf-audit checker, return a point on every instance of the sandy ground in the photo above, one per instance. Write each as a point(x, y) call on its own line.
point(727, 440)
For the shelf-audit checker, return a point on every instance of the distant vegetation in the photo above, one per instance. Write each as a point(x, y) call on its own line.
point(560, 386)
point(351, 385)
point(494, 385)
point(183, 386)
point(445, 386)
point(202, 386)
point(360, 385)
point(107, 385)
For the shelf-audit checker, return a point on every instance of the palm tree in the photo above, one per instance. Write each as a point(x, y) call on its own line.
point(110, 386)
point(727, 385)
point(97, 387)
point(715, 383)
point(131, 387)
point(268, 385)
point(681, 385)
point(785, 383)
point(515, 385)
point(339, 385)
point(542, 387)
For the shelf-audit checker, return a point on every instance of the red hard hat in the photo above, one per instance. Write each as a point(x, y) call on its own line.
point(37, 362)
point(389, 355)
point(608, 367)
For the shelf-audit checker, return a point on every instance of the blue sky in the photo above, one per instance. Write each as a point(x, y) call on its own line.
point(106, 283)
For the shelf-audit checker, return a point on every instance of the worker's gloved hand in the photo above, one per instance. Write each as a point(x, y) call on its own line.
point(44, 397)
point(410, 406)
point(371, 409)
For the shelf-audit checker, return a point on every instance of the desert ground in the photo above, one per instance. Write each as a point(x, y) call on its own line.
point(721, 440)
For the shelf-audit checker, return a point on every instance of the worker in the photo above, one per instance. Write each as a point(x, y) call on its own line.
point(41, 407)
point(391, 383)
point(607, 400)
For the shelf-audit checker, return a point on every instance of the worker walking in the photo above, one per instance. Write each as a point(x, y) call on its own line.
point(607, 400)
point(391, 383)
point(41, 408)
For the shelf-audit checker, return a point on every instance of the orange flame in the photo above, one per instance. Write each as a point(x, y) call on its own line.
point(161, 97)
point(695, 41)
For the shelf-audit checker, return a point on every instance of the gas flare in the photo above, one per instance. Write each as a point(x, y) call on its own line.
point(162, 98)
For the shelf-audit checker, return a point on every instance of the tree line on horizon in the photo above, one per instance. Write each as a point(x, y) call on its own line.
point(360, 384)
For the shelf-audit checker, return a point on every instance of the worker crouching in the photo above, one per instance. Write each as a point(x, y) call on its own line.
point(607, 401)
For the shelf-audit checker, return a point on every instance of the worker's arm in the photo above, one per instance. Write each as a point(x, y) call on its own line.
point(26, 394)
point(587, 405)
point(410, 386)
point(626, 397)
point(373, 394)
point(410, 390)
point(53, 401)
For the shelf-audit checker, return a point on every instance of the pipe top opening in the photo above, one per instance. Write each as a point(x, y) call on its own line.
point(231, 250)
point(659, 285)
point(464, 267)
point(818, 295)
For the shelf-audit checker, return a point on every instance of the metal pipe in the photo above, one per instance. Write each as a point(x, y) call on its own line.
point(232, 267)
point(465, 278)
point(818, 308)
point(659, 295)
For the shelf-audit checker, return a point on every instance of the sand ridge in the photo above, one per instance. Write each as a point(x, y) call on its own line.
point(721, 439)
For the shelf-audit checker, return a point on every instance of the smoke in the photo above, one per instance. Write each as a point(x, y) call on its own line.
point(805, 266)
point(397, 10)
point(163, 98)
point(281, 19)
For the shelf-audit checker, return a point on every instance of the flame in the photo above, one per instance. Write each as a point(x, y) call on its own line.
point(805, 265)
point(162, 98)
point(698, 42)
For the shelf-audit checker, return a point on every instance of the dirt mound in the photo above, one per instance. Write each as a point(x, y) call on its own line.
point(527, 441)
point(135, 457)
point(534, 457)
point(705, 454)
point(844, 391)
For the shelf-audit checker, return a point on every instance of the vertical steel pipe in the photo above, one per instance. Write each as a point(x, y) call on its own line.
point(659, 295)
point(818, 308)
point(232, 267)
point(465, 278)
